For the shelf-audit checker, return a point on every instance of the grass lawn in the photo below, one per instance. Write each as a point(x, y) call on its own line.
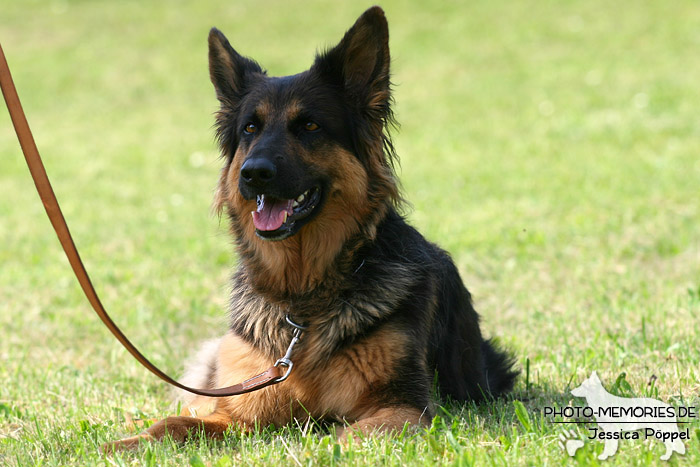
point(552, 147)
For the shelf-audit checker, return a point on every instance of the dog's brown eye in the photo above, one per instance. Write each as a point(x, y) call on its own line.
point(250, 128)
point(311, 126)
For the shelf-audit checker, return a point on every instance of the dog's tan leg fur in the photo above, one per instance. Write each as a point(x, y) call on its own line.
point(179, 428)
point(384, 420)
point(341, 391)
point(237, 361)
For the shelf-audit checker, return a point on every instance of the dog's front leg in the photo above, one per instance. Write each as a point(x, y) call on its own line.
point(384, 420)
point(609, 449)
point(178, 428)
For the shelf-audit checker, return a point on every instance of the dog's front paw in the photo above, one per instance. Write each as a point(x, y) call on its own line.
point(126, 444)
point(345, 434)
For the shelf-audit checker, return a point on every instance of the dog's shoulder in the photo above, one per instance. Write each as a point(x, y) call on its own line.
point(398, 242)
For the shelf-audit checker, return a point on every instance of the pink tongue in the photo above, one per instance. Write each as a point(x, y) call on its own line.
point(271, 213)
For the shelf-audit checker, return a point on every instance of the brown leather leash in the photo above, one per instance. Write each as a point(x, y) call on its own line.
point(272, 375)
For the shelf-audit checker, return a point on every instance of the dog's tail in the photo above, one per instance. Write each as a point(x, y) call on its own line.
point(498, 368)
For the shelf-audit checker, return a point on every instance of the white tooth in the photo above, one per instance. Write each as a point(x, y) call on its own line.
point(295, 204)
point(285, 217)
point(300, 199)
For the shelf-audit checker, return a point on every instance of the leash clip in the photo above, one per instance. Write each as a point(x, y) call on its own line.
point(286, 360)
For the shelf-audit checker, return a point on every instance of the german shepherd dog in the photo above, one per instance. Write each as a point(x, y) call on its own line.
point(385, 310)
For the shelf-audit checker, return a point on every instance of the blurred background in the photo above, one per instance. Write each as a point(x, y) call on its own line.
point(551, 147)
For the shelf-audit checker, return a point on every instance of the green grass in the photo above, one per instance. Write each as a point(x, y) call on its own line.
point(551, 147)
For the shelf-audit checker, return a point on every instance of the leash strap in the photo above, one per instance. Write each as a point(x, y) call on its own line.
point(272, 375)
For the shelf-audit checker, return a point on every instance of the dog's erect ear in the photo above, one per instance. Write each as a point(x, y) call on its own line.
point(229, 71)
point(359, 65)
point(594, 377)
point(360, 62)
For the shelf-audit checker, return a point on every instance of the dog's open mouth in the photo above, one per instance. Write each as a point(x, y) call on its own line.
point(277, 219)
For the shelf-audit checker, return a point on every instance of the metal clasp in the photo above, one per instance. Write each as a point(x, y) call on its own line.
point(286, 360)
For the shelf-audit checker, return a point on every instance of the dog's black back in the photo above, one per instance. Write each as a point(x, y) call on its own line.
point(440, 312)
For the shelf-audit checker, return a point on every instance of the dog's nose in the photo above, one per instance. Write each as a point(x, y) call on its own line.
point(258, 171)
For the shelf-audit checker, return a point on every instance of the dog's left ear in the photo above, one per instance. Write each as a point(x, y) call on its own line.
point(360, 62)
point(359, 65)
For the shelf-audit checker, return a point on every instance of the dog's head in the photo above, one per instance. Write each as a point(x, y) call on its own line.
point(589, 386)
point(310, 149)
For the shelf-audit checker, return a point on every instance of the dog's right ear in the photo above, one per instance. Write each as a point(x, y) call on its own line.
point(230, 72)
